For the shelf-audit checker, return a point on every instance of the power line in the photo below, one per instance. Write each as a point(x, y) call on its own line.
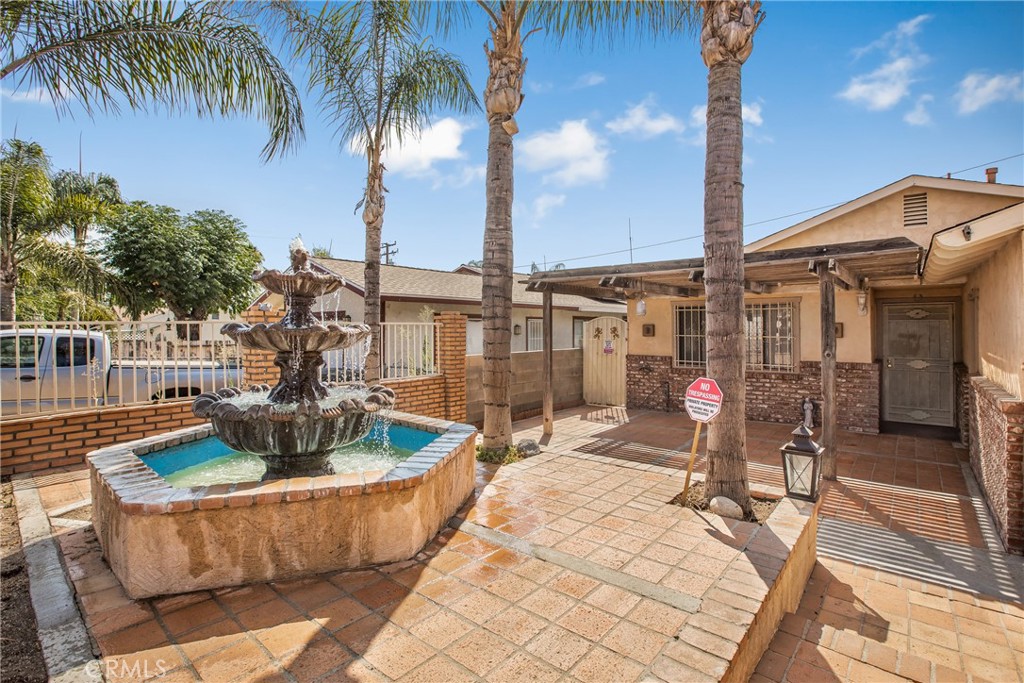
point(987, 163)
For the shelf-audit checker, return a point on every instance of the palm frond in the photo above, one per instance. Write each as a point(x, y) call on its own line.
point(101, 54)
point(428, 79)
point(592, 22)
point(76, 268)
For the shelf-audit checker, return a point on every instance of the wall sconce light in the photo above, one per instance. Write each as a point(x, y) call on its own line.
point(641, 306)
point(862, 302)
point(517, 329)
point(346, 318)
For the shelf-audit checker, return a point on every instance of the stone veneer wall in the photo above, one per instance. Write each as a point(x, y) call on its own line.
point(528, 383)
point(39, 443)
point(34, 444)
point(653, 383)
point(997, 456)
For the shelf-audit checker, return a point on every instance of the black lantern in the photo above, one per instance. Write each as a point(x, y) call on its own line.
point(800, 458)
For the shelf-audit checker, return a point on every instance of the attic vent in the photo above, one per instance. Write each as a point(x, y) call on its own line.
point(915, 209)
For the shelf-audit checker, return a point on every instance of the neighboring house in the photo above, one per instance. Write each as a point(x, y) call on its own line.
point(414, 294)
point(929, 322)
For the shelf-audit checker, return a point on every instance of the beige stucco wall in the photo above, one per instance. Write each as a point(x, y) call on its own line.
point(993, 305)
point(884, 219)
point(854, 347)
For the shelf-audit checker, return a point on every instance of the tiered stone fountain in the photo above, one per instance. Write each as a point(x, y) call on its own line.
point(295, 426)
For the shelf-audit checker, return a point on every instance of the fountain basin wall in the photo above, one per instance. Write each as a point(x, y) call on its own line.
point(162, 540)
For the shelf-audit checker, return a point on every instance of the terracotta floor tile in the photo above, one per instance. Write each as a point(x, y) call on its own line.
point(587, 621)
point(284, 638)
point(267, 614)
point(338, 614)
point(573, 584)
point(310, 594)
point(658, 617)
point(141, 665)
point(445, 590)
point(194, 616)
point(358, 635)
point(559, 647)
point(411, 610)
point(613, 599)
point(232, 662)
point(437, 670)
point(380, 594)
point(479, 606)
point(397, 656)
point(141, 636)
point(636, 642)
point(244, 597)
point(547, 603)
point(441, 629)
point(210, 638)
point(351, 581)
point(516, 625)
point(480, 651)
point(602, 665)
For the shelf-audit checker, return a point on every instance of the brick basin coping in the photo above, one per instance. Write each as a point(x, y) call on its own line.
point(139, 490)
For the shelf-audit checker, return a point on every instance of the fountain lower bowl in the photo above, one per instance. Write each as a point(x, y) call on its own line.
point(163, 540)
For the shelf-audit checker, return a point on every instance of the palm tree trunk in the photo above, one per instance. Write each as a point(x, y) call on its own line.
point(373, 219)
point(502, 98)
point(726, 42)
point(8, 287)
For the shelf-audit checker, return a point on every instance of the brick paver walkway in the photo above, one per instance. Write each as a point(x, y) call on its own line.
point(468, 608)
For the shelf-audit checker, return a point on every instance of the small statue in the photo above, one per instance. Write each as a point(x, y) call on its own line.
point(299, 255)
point(808, 408)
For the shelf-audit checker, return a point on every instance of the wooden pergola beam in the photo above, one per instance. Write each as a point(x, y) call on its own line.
point(844, 274)
point(637, 285)
point(758, 287)
point(826, 284)
point(549, 355)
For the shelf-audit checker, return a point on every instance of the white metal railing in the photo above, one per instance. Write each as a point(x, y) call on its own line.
point(57, 366)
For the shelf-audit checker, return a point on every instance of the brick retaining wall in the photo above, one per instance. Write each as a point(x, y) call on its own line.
point(653, 383)
point(32, 444)
point(997, 454)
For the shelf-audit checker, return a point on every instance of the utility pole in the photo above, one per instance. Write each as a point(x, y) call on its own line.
point(388, 253)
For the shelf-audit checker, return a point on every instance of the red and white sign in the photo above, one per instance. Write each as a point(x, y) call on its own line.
point(703, 399)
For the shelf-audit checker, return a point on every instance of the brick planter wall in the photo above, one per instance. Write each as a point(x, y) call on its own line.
point(997, 454)
point(653, 383)
point(259, 365)
point(33, 444)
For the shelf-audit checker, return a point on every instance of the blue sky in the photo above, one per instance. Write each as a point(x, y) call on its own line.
point(840, 99)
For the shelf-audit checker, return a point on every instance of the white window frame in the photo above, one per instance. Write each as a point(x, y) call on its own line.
point(535, 334)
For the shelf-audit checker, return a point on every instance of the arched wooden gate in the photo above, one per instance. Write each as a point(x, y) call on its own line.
point(604, 361)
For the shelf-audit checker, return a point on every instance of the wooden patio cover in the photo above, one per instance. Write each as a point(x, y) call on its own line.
point(853, 265)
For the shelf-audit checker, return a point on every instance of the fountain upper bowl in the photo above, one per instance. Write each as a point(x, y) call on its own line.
point(283, 338)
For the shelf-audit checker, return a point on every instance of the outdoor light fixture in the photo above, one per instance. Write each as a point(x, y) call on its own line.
point(641, 306)
point(800, 459)
point(517, 330)
point(862, 302)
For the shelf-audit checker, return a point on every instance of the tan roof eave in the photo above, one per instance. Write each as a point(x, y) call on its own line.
point(956, 251)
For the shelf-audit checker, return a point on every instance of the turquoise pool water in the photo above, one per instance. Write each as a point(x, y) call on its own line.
point(209, 461)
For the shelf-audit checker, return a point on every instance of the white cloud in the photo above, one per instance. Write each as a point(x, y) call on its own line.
point(571, 155)
point(644, 123)
point(538, 87)
point(919, 116)
point(889, 83)
point(33, 96)
point(543, 204)
point(977, 91)
point(589, 80)
point(752, 114)
point(467, 174)
point(416, 155)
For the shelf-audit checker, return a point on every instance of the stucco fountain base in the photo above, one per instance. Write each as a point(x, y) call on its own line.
point(162, 540)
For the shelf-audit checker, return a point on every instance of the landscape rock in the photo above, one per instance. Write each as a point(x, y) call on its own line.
point(726, 507)
point(528, 448)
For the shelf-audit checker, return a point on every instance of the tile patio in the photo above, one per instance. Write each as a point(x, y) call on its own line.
point(473, 606)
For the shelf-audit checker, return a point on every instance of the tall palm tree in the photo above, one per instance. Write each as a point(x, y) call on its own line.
point(81, 201)
point(192, 55)
point(510, 23)
point(726, 41)
point(25, 197)
point(377, 83)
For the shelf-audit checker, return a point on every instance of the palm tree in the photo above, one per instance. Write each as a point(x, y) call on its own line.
point(726, 42)
point(25, 197)
point(378, 83)
point(83, 201)
point(103, 54)
point(503, 96)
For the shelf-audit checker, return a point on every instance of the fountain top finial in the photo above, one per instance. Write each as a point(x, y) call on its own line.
point(299, 255)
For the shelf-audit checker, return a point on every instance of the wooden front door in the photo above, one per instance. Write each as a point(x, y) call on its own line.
point(917, 364)
point(604, 361)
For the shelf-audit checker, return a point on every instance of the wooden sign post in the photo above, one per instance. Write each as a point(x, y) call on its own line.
point(703, 401)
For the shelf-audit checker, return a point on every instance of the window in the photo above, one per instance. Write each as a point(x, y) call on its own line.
point(534, 334)
point(78, 354)
point(24, 356)
point(577, 331)
point(770, 332)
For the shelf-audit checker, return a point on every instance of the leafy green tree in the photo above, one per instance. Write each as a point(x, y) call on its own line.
point(25, 197)
point(82, 201)
point(188, 55)
point(377, 82)
point(194, 265)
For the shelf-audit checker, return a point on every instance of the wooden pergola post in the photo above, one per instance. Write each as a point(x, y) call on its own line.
point(549, 397)
point(827, 288)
